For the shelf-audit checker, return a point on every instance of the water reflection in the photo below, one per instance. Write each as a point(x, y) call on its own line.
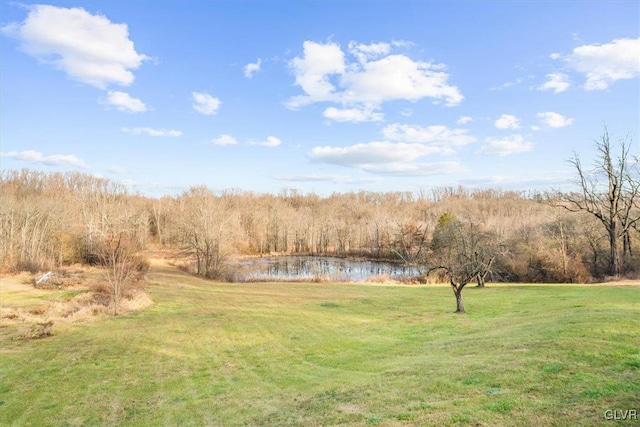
point(307, 267)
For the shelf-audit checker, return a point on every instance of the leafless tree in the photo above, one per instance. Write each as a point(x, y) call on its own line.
point(610, 193)
point(459, 250)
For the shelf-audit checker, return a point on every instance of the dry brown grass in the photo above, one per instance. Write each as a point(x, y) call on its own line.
point(30, 312)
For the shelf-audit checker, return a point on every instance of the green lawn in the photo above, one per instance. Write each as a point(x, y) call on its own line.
point(330, 354)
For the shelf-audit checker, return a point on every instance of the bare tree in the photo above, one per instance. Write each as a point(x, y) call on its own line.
point(459, 251)
point(610, 193)
point(117, 252)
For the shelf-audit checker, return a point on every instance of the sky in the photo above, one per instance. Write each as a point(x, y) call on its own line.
point(317, 96)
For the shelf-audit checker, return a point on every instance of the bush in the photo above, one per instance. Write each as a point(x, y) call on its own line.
point(38, 331)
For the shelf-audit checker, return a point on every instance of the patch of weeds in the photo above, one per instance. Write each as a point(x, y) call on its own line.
point(470, 381)
point(494, 392)
point(38, 331)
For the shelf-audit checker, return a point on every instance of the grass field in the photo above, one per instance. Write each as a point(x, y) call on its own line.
point(334, 354)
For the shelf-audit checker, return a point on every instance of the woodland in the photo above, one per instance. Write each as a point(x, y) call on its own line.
point(458, 235)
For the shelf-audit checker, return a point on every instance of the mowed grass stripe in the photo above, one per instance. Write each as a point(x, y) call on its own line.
point(334, 354)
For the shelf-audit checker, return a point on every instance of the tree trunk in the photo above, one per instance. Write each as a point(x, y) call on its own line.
point(457, 290)
point(614, 253)
point(480, 279)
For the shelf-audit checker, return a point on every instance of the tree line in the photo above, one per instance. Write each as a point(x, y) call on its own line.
point(48, 220)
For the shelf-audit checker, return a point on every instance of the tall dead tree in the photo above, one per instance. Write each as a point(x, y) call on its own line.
point(610, 193)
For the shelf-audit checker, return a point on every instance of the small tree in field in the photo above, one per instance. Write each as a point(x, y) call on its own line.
point(124, 267)
point(462, 252)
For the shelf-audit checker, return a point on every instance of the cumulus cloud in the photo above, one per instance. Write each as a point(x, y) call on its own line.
point(398, 77)
point(251, 68)
point(224, 139)
point(352, 115)
point(463, 120)
point(401, 153)
point(554, 120)
point(312, 71)
point(371, 76)
point(271, 141)
point(507, 121)
point(557, 82)
point(603, 64)
point(367, 52)
point(124, 102)
point(88, 48)
point(205, 103)
point(385, 158)
point(32, 156)
point(505, 146)
point(152, 132)
point(361, 155)
point(438, 135)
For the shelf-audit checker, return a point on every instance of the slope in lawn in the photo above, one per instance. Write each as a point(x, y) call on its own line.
point(330, 354)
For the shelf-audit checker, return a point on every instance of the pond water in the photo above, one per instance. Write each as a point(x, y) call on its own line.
point(309, 267)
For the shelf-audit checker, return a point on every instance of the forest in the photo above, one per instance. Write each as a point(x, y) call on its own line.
point(50, 220)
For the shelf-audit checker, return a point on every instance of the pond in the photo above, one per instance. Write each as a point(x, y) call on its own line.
point(290, 268)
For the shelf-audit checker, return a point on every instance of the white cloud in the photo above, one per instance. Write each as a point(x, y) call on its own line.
point(507, 121)
point(398, 77)
point(604, 64)
point(463, 120)
point(385, 158)
point(32, 156)
point(152, 132)
point(224, 139)
point(372, 153)
point(554, 120)
point(402, 151)
point(505, 146)
point(366, 52)
point(515, 82)
point(251, 68)
point(352, 115)
point(312, 72)
point(124, 102)
point(205, 103)
point(271, 141)
point(558, 82)
point(407, 112)
point(89, 48)
point(375, 76)
point(435, 135)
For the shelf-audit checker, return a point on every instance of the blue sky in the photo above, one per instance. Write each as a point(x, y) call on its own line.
point(322, 96)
